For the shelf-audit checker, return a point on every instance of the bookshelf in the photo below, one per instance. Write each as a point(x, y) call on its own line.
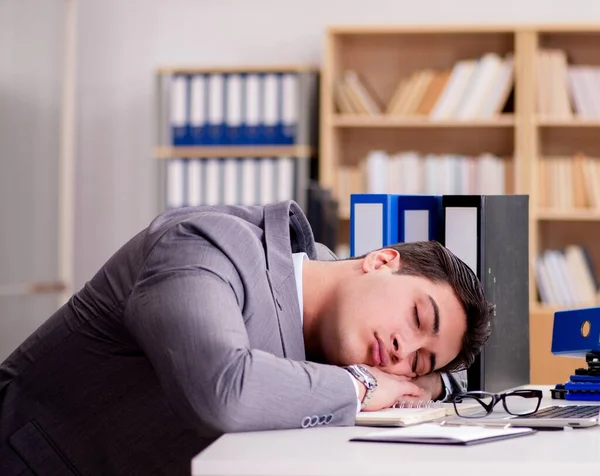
point(539, 119)
point(236, 134)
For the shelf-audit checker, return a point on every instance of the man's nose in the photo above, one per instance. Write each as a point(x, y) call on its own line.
point(401, 349)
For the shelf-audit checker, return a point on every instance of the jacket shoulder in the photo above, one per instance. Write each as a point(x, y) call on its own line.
point(324, 253)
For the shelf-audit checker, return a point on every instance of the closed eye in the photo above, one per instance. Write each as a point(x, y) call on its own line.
point(416, 317)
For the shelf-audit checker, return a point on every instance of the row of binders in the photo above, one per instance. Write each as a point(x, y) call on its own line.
point(473, 88)
point(566, 90)
point(458, 221)
point(242, 108)
point(566, 277)
point(567, 183)
point(230, 181)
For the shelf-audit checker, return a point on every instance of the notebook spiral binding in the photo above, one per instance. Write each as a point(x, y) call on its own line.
point(418, 404)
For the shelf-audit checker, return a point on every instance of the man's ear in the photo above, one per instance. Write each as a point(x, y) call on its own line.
point(386, 257)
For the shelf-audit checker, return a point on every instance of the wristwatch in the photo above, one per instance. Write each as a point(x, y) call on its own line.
point(360, 373)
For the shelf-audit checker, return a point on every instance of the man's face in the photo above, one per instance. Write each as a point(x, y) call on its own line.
point(405, 325)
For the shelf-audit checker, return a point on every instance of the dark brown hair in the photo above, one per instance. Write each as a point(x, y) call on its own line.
point(433, 261)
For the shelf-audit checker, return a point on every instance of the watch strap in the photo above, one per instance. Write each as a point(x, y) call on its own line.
point(362, 374)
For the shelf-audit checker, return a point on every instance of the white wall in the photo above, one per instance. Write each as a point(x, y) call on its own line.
point(123, 41)
point(30, 89)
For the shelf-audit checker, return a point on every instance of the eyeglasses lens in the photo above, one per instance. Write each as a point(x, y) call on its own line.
point(521, 403)
point(473, 405)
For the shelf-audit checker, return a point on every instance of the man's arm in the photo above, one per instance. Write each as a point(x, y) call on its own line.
point(188, 321)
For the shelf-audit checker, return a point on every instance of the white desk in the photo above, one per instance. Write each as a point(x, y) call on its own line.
point(328, 451)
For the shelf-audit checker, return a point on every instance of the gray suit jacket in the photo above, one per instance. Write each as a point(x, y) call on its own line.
point(190, 330)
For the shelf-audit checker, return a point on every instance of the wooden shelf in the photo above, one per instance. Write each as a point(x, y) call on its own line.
point(575, 122)
point(276, 68)
point(394, 29)
point(338, 120)
point(567, 215)
point(233, 151)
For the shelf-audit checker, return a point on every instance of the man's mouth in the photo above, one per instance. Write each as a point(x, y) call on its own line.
point(379, 354)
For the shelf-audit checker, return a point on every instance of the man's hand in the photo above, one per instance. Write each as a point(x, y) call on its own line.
point(390, 388)
point(432, 385)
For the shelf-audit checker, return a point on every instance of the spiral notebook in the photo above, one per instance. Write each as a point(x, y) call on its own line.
point(407, 416)
point(433, 434)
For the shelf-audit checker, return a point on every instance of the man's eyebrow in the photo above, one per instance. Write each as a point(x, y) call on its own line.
point(436, 316)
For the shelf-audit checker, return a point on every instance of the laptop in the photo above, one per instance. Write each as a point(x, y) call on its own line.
point(551, 416)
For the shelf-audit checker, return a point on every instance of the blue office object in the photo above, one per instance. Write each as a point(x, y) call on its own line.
point(252, 109)
point(198, 109)
point(576, 332)
point(419, 218)
point(290, 110)
point(234, 106)
point(373, 222)
point(216, 109)
point(180, 110)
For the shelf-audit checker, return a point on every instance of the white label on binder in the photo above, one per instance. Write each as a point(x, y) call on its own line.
point(416, 225)
point(248, 181)
point(179, 101)
point(267, 180)
point(194, 189)
point(461, 234)
point(230, 181)
point(252, 99)
point(198, 105)
point(290, 99)
point(368, 227)
point(213, 181)
point(175, 183)
point(270, 114)
point(285, 178)
point(215, 94)
point(234, 100)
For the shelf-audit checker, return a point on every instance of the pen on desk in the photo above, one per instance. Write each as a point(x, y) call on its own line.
point(481, 424)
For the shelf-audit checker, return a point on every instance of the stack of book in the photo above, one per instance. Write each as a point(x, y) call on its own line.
point(474, 88)
point(410, 172)
point(566, 277)
point(567, 183)
point(564, 90)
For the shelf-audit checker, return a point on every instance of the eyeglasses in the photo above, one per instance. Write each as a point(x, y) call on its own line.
point(478, 404)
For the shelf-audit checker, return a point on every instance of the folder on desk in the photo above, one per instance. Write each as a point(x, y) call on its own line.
point(419, 217)
point(490, 234)
point(433, 434)
point(373, 222)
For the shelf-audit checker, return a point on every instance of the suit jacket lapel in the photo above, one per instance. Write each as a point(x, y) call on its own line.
point(280, 245)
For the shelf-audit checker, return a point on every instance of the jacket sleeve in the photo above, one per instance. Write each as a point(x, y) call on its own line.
point(188, 321)
point(454, 382)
